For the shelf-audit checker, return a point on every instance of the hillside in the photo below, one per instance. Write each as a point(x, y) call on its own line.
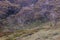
point(29, 17)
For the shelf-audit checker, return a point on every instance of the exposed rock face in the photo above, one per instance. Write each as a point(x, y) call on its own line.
point(26, 11)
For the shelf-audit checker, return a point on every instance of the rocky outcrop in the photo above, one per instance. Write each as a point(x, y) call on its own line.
point(16, 12)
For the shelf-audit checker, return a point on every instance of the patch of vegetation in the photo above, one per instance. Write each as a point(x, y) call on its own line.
point(10, 38)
